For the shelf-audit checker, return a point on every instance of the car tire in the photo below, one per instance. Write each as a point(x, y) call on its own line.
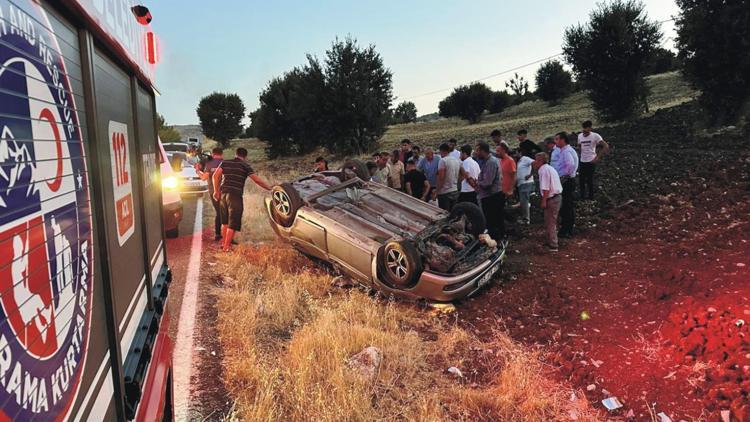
point(359, 167)
point(475, 222)
point(172, 233)
point(285, 201)
point(399, 264)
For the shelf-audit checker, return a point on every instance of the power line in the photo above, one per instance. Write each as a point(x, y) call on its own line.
point(507, 71)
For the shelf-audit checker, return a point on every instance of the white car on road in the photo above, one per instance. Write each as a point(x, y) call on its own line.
point(190, 182)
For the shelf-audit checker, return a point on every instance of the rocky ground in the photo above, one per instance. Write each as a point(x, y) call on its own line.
point(648, 302)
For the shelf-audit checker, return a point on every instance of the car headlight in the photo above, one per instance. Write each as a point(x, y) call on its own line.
point(169, 183)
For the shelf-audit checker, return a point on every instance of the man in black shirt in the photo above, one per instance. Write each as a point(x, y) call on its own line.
point(527, 147)
point(206, 171)
point(416, 182)
point(229, 185)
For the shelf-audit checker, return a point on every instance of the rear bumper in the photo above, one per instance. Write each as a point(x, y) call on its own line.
point(172, 215)
point(199, 188)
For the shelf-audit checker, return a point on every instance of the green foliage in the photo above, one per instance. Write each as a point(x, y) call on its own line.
point(499, 101)
point(713, 38)
point(220, 116)
point(342, 105)
point(406, 112)
point(467, 102)
point(553, 82)
point(609, 57)
point(358, 97)
point(291, 118)
point(166, 133)
point(661, 61)
point(518, 85)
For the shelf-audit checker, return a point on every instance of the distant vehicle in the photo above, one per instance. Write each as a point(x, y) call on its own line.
point(84, 280)
point(194, 142)
point(176, 146)
point(189, 180)
point(383, 238)
point(170, 196)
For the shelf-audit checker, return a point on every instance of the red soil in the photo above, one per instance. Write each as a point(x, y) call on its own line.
point(665, 282)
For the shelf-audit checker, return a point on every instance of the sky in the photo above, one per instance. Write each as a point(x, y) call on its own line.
point(239, 46)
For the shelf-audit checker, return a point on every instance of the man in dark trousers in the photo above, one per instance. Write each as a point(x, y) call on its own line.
point(206, 171)
point(566, 164)
point(588, 141)
point(489, 192)
point(229, 185)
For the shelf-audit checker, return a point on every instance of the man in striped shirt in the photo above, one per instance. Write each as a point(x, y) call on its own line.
point(229, 185)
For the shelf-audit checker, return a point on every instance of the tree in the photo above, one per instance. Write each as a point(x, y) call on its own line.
point(342, 104)
point(406, 112)
point(553, 82)
point(358, 95)
point(609, 55)
point(518, 85)
point(661, 60)
point(220, 116)
point(167, 133)
point(713, 39)
point(467, 102)
point(499, 101)
point(291, 118)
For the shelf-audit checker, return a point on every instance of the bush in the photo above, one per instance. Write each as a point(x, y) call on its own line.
point(662, 60)
point(467, 102)
point(713, 38)
point(167, 133)
point(405, 112)
point(553, 82)
point(499, 101)
point(220, 116)
point(343, 105)
point(609, 57)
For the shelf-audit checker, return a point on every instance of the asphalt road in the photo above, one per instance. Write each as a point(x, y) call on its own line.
point(196, 358)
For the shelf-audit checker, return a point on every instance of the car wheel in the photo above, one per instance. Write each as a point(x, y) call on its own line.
point(475, 222)
point(358, 167)
point(399, 264)
point(285, 201)
point(172, 233)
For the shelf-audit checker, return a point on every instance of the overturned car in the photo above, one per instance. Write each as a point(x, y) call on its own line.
point(383, 238)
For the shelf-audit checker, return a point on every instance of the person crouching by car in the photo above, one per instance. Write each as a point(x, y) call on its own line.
point(551, 190)
point(415, 182)
point(229, 186)
point(321, 165)
point(205, 172)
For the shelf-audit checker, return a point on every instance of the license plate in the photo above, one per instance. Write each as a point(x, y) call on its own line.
point(192, 184)
point(487, 277)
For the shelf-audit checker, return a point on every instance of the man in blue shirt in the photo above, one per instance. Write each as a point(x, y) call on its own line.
point(566, 163)
point(429, 166)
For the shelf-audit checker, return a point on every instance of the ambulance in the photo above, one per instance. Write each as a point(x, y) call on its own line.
point(83, 271)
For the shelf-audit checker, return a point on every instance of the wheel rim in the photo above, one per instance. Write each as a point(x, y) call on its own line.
point(397, 264)
point(281, 203)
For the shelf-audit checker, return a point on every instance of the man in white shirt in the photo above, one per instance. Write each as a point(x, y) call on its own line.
point(588, 141)
point(551, 190)
point(471, 171)
point(455, 153)
point(525, 183)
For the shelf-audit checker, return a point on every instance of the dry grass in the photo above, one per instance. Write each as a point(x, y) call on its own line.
point(286, 335)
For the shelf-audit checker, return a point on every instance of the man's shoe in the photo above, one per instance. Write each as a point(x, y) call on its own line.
point(552, 248)
point(234, 242)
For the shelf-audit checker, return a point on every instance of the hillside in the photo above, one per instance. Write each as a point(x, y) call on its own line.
point(540, 119)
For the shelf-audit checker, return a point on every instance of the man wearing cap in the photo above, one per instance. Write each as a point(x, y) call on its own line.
point(551, 190)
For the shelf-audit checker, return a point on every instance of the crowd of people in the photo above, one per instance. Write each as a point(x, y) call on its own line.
point(488, 174)
point(492, 174)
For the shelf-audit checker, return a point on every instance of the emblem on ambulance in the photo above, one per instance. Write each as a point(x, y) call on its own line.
point(45, 224)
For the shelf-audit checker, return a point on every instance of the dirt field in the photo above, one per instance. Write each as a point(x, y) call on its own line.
point(647, 302)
